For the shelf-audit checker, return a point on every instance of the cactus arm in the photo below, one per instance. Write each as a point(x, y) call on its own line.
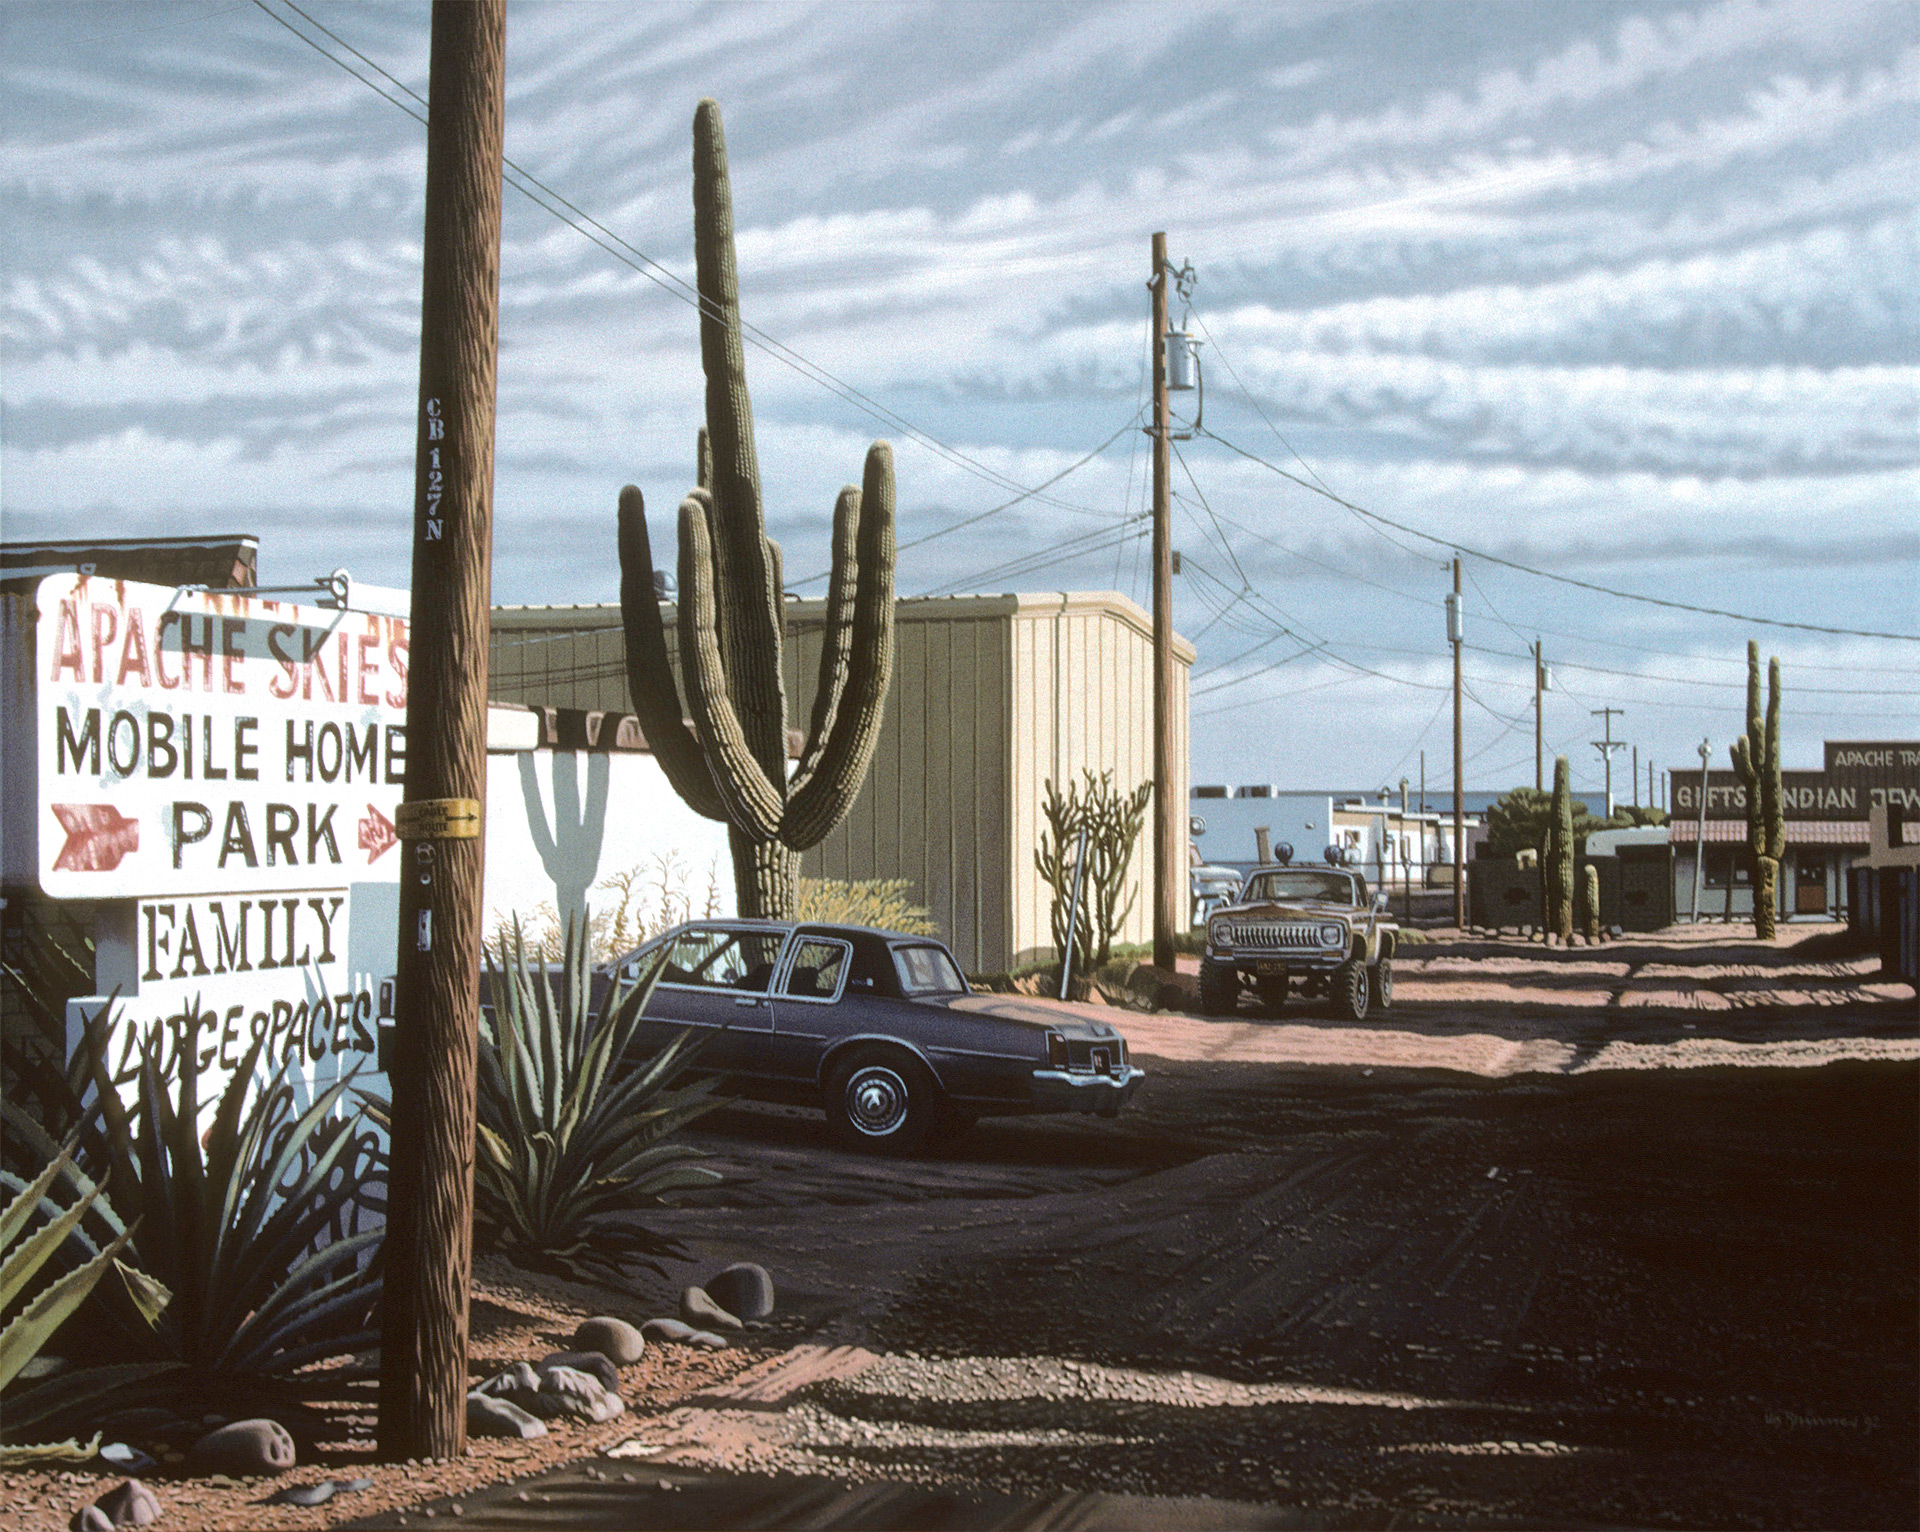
point(750, 618)
point(656, 699)
point(1770, 804)
point(703, 460)
point(752, 802)
point(821, 800)
point(836, 639)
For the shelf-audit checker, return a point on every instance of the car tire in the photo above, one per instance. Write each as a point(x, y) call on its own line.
point(1272, 991)
point(1382, 984)
point(882, 1100)
point(1351, 991)
point(1219, 990)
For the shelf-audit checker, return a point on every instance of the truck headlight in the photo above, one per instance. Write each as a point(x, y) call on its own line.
point(1332, 936)
point(1220, 933)
point(1056, 1050)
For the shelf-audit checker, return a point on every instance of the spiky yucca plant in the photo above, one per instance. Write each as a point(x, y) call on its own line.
point(24, 1257)
point(572, 1125)
point(253, 1226)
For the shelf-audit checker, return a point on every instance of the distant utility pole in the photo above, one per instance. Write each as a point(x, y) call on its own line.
point(1700, 845)
point(429, 1241)
point(1636, 776)
point(1539, 685)
point(1169, 866)
point(1607, 746)
point(1456, 632)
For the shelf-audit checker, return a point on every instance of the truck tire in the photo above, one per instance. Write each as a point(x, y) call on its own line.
point(1382, 978)
point(1351, 990)
point(1272, 991)
point(1219, 990)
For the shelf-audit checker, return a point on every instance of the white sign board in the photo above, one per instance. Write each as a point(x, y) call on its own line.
point(274, 968)
point(200, 743)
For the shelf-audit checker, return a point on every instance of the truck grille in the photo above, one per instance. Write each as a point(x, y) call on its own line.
point(1277, 935)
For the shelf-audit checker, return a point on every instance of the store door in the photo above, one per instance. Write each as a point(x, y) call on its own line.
point(1810, 885)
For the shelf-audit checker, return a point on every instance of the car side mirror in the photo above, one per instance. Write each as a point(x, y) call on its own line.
point(1379, 901)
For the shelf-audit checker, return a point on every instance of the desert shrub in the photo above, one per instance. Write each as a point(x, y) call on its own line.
point(883, 902)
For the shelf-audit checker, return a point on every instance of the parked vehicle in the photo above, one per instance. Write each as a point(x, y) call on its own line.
point(1310, 924)
point(878, 1027)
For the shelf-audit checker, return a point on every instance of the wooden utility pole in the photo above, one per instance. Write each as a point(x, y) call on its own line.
point(1539, 755)
point(1456, 630)
point(1169, 866)
point(429, 1243)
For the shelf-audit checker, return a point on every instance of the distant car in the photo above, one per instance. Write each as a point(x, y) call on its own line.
point(1212, 888)
point(1311, 925)
point(878, 1027)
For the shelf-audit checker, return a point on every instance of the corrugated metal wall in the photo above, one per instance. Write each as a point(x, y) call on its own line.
point(1083, 700)
point(991, 696)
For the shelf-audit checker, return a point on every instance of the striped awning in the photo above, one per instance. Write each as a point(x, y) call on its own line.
point(1800, 832)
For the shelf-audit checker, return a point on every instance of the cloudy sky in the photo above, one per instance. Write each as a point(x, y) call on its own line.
point(1625, 294)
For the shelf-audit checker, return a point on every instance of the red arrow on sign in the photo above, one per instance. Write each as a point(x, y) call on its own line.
point(98, 835)
point(377, 834)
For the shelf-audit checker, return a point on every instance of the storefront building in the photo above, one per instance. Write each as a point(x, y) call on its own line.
point(1826, 829)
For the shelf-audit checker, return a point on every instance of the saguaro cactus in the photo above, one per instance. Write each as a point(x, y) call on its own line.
point(1557, 866)
point(1590, 901)
point(732, 764)
point(1756, 760)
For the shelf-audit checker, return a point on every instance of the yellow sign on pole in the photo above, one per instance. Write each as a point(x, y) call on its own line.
point(439, 819)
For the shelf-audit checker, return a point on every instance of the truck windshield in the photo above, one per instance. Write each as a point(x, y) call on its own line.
point(1301, 883)
point(927, 971)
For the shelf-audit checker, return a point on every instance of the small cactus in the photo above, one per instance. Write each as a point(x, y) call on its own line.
point(1557, 865)
point(1590, 901)
point(1756, 761)
point(732, 764)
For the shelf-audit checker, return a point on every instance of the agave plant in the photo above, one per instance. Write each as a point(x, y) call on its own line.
point(25, 1253)
point(571, 1125)
point(254, 1227)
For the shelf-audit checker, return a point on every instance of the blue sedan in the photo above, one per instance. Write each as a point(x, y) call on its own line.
point(879, 1028)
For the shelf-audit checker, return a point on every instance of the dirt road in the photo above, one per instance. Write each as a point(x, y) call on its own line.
point(1511, 1255)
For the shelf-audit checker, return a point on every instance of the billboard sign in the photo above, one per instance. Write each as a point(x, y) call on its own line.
point(193, 743)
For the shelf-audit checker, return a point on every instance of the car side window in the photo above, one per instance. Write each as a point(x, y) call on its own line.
point(817, 969)
point(719, 959)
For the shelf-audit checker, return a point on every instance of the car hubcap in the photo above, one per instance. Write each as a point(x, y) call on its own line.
point(877, 1101)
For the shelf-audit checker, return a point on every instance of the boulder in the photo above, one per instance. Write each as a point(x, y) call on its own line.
point(744, 1289)
point(304, 1494)
point(613, 1338)
point(242, 1448)
point(519, 1383)
point(129, 1504)
point(569, 1391)
point(667, 1330)
point(488, 1416)
point(698, 1309)
point(90, 1518)
point(593, 1362)
point(707, 1340)
point(118, 1457)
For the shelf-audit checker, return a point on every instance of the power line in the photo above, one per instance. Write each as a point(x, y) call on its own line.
point(1505, 563)
point(672, 283)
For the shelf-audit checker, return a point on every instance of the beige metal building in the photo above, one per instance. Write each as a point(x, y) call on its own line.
point(991, 697)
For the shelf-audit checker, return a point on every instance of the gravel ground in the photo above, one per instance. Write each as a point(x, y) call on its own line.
point(1621, 1235)
point(515, 1316)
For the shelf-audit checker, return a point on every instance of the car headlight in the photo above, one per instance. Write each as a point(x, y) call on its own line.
point(1332, 936)
point(1056, 1050)
point(1220, 933)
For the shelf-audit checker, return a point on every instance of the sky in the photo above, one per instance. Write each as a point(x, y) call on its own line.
point(1622, 294)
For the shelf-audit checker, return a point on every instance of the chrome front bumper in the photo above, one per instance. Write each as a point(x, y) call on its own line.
point(1074, 1090)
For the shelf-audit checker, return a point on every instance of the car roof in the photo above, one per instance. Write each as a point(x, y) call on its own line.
point(827, 927)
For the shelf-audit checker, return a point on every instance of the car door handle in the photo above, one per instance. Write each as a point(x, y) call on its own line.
point(748, 1000)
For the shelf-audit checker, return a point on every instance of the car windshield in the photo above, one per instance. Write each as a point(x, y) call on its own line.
point(927, 971)
point(1301, 883)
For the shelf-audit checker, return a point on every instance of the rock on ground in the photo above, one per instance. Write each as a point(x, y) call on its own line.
point(242, 1448)
point(744, 1289)
point(698, 1308)
point(488, 1416)
point(613, 1338)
